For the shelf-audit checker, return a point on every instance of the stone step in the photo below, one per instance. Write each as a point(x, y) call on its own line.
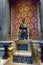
point(12, 63)
point(23, 53)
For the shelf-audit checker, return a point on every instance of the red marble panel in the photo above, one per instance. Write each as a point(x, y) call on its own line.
point(31, 26)
point(34, 19)
point(28, 11)
point(33, 7)
point(24, 14)
point(34, 32)
point(27, 20)
point(26, 8)
point(21, 9)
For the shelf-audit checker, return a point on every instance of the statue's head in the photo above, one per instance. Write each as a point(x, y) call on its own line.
point(23, 20)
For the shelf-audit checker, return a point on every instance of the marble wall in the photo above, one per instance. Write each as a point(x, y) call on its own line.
point(42, 13)
point(4, 19)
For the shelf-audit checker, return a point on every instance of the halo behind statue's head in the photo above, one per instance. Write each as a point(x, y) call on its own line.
point(23, 20)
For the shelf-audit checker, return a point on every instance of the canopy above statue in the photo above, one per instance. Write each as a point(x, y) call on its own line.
point(15, 1)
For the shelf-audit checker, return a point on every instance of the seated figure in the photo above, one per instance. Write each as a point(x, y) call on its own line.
point(23, 32)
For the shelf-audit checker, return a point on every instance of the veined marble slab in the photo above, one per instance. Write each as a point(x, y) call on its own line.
point(23, 53)
point(20, 63)
point(2, 61)
point(41, 63)
point(6, 41)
